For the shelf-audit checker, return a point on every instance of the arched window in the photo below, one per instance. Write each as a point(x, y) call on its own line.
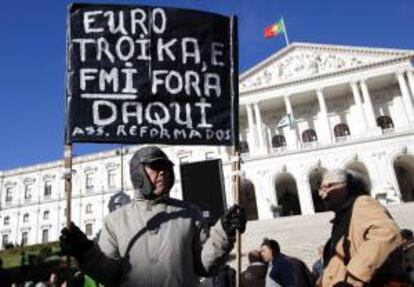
point(88, 208)
point(385, 122)
point(278, 141)
point(244, 147)
point(46, 215)
point(26, 217)
point(341, 130)
point(309, 135)
point(6, 220)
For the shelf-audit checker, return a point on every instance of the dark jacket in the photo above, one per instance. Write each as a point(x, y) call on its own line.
point(303, 276)
point(225, 277)
point(254, 275)
point(283, 271)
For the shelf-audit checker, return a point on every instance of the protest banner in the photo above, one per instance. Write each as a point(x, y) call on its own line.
point(139, 74)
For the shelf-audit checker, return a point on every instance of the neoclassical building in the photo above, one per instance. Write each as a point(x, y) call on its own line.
point(305, 109)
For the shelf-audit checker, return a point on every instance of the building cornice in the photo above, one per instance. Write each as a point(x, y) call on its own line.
point(360, 68)
point(322, 47)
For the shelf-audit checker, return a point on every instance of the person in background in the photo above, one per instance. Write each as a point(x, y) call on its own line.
point(225, 277)
point(155, 240)
point(255, 273)
point(280, 270)
point(363, 233)
point(406, 234)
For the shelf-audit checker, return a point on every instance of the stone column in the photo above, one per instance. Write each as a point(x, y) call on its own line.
point(291, 136)
point(252, 128)
point(305, 196)
point(324, 117)
point(259, 129)
point(360, 109)
point(408, 105)
point(369, 109)
point(410, 77)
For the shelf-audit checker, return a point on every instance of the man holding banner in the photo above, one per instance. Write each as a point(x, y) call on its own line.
point(155, 240)
point(140, 74)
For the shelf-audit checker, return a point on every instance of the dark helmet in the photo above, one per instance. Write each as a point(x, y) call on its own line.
point(147, 155)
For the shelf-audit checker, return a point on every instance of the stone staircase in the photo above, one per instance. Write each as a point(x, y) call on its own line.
point(300, 236)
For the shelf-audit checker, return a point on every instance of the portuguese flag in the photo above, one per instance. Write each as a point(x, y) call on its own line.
point(275, 29)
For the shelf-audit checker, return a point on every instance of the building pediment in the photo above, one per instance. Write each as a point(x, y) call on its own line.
point(300, 61)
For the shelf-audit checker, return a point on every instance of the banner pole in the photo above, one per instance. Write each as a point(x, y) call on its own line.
point(235, 160)
point(68, 188)
point(236, 193)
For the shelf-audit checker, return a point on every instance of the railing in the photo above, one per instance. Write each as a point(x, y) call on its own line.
point(310, 144)
point(340, 139)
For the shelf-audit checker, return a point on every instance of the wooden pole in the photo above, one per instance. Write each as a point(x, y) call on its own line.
point(236, 193)
point(234, 86)
point(68, 187)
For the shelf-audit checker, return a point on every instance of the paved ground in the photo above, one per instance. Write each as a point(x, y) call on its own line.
point(300, 236)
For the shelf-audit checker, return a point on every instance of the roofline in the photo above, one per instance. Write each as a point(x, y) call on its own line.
point(403, 58)
point(329, 47)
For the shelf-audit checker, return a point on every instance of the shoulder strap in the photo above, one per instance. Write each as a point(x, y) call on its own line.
point(346, 243)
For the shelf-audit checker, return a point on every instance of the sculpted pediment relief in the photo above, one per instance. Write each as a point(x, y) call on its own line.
point(302, 62)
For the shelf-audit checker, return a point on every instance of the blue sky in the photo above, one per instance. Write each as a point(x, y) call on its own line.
point(32, 55)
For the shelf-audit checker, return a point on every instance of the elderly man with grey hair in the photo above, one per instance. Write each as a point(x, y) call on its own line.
point(363, 233)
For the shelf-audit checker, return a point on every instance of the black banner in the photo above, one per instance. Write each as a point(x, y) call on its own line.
point(139, 74)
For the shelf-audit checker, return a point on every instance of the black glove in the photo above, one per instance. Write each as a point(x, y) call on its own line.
point(74, 242)
point(234, 219)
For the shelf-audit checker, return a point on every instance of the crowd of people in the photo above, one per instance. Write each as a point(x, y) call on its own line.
point(159, 241)
point(366, 247)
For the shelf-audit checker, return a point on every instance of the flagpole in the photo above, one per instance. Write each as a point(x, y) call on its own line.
point(285, 32)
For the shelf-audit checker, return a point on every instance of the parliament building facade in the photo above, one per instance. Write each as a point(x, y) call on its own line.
point(306, 109)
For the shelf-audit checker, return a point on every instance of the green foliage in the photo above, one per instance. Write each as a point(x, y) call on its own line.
point(35, 254)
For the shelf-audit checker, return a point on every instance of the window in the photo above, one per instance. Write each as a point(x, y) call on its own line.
point(28, 191)
point(309, 135)
point(45, 236)
point(341, 130)
point(6, 220)
point(88, 208)
point(5, 240)
point(25, 236)
point(48, 189)
point(88, 229)
point(9, 196)
point(89, 181)
point(244, 147)
point(278, 141)
point(111, 178)
point(385, 122)
point(26, 217)
point(46, 215)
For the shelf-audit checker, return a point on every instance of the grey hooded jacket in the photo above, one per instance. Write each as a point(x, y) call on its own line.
point(156, 243)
